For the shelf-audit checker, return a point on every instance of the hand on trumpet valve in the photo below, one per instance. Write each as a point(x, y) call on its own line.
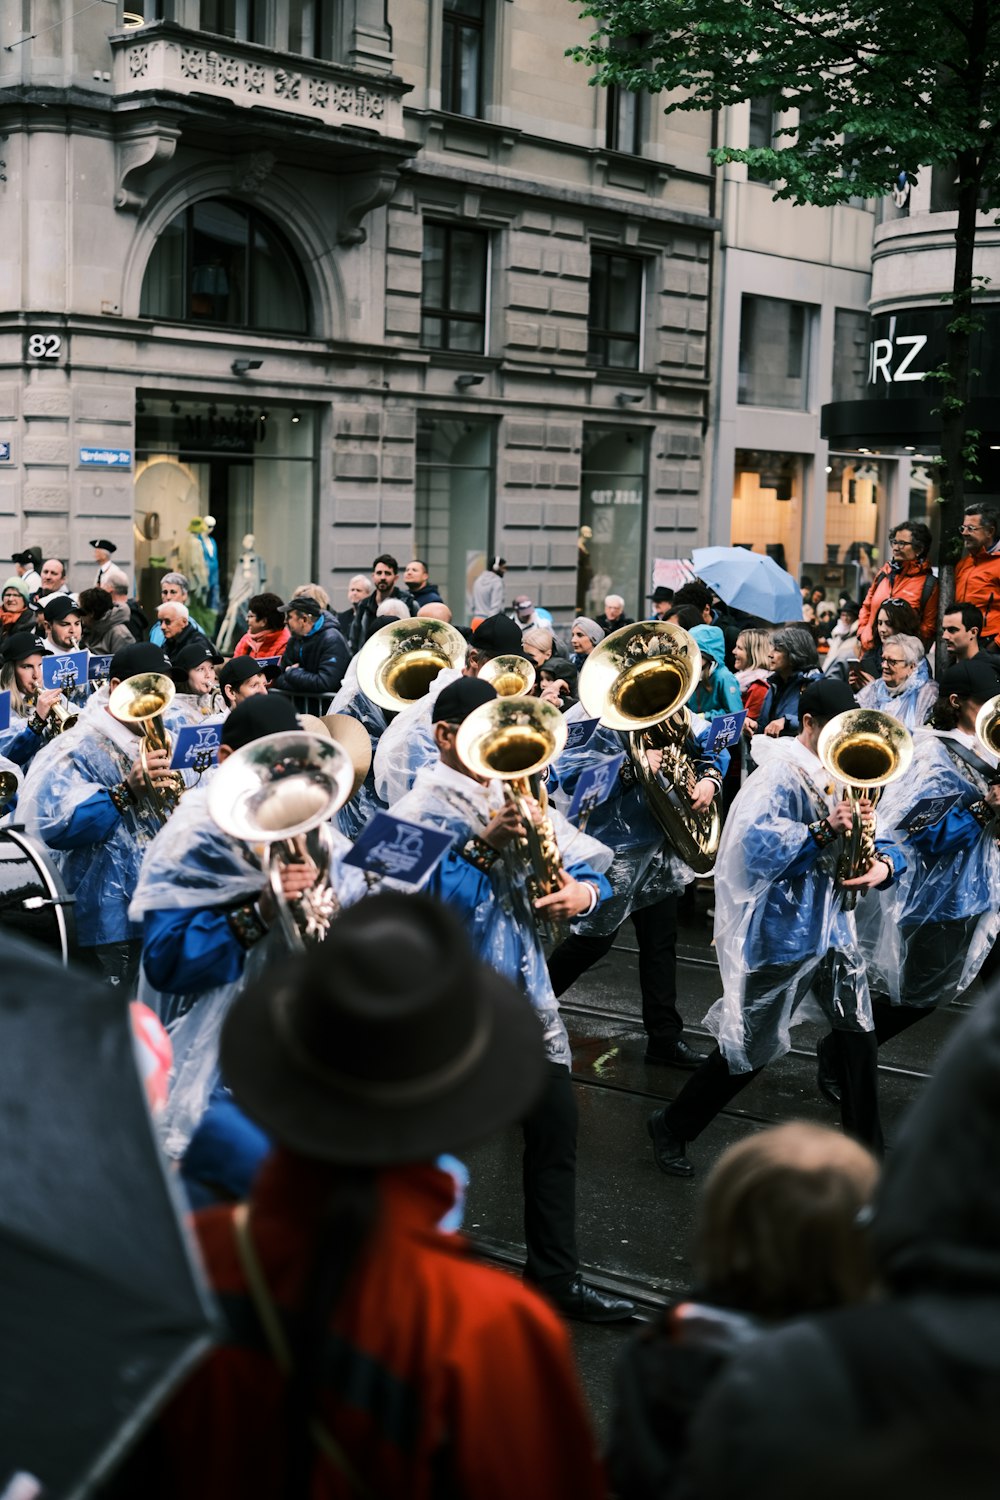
point(158, 769)
point(842, 816)
point(702, 794)
point(503, 827)
point(295, 878)
point(47, 700)
point(572, 898)
point(654, 760)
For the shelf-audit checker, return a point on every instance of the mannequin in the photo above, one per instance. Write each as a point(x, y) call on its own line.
point(249, 578)
point(210, 553)
point(193, 560)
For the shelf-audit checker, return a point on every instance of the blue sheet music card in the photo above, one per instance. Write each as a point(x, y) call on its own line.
point(267, 661)
point(65, 672)
point(580, 733)
point(5, 709)
point(100, 668)
point(724, 731)
point(930, 810)
point(406, 852)
point(196, 747)
point(595, 786)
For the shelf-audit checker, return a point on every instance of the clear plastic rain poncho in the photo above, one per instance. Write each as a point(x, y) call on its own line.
point(926, 937)
point(645, 867)
point(408, 743)
point(19, 743)
point(787, 950)
point(500, 923)
point(97, 755)
point(350, 700)
point(912, 705)
point(190, 866)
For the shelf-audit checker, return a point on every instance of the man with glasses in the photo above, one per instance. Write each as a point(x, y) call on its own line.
point(977, 572)
point(908, 577)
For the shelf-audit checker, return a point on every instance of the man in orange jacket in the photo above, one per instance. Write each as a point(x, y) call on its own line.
point(908, 576)
point(977, 573)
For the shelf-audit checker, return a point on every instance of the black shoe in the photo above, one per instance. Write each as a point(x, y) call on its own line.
point(667, 1147)
point(827, 1071)
point(673, 1055)
point(588, 1305)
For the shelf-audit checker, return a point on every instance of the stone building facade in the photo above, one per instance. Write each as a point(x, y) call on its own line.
point(350, 279)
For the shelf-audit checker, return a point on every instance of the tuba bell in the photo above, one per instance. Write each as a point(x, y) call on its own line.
point(281, 791)
point(864, 750)
point(509, 676)
point(142, 700)
point(988, 725)
point(514, 739)
point(638, 680)
point(397, 665)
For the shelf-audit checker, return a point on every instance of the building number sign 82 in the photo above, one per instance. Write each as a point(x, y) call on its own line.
point(44, 345)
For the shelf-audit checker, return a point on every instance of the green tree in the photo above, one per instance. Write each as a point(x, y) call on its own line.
point(880, 86)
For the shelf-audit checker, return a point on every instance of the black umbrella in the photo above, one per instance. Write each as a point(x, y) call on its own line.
point(102, 1308)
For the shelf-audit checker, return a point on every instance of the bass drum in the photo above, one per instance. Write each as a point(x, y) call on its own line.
point(33, 899)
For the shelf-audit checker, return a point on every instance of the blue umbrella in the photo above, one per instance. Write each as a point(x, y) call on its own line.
point(749, 581)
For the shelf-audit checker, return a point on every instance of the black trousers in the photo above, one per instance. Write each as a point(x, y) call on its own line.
point(656, 931)
point(549, 1175)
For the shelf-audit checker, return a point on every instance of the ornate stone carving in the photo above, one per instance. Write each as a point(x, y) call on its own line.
point(251, 172)
point(359, 195)
point(136, 155)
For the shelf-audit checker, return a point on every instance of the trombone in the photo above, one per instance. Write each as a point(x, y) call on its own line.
point(865, 750)
point(514, 739)
point(281, 791)
point(397, 665)
point(142, 700)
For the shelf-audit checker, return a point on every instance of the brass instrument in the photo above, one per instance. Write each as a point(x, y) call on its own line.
point(397, 665)
point(141, 700)
point(60, 716)
point(988, 725)
point(9, 785)
point(509, 676)
point(514, 739)
point(281, 791)
point(865, 750)
point(637, 680)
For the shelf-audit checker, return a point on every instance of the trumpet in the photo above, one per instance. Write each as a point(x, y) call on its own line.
point(281, 791)
point(865, 750)
point(638, 680)
point(400, 661)
point(141, 700)
point(510, 676)
point(514, 739)
point(60, 716)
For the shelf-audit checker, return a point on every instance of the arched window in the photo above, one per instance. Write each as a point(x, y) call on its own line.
point(221, 262)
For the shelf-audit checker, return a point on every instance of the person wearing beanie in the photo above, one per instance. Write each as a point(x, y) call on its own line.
point(484, 878)
point(781, 934)
point(210, 922)
point(584, 635)
point(88, 802)
point(15, 609)
point(930, 934)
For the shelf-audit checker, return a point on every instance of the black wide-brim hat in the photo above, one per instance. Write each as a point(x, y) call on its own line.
point(388, 1043)
point(104, 545)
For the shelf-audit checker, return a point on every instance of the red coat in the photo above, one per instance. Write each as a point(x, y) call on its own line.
point(910, 582)
point(432, 1356)
point(271, 643)
point(977, 581)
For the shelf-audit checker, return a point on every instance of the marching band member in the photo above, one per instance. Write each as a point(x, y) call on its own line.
point(239, 679)
point(490, 892)
point(208, 920)
point(193, 670)
point(87, 801)
point(31, 704)
point(350, 700)
point(646, 877)
point(929, 935)
point(781, 933)
point(62, 624)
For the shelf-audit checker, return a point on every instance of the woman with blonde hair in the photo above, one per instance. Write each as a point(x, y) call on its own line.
point(751, 655)
point(780, 1233)
point(538, 644)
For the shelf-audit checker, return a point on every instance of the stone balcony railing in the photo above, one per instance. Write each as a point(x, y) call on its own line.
point(164, 59)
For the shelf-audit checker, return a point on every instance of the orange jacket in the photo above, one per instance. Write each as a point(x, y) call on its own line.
point(441, 1375)
point(909, 582)
point(977, 581)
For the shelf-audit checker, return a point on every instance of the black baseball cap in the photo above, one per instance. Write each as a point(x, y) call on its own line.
point(824, 700)
point(19, 645)
point(456, 702)
point(59, 607)
point(238, 671)
point(498, 636)
point(973, 679)
point(265, 713)
point(141, 656)
point(194, 654)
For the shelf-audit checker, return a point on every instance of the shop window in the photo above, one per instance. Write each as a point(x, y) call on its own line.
point(774, 353)
point(615, 318)
point(454, 288)
point(462, 48)
point(454, 504)
point(310, 28)
point(851, 333)
point(223, 263)
point(767, 505)
point(242, 20)
point(855, 491)
point(613, 505)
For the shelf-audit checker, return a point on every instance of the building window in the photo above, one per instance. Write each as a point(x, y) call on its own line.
point(774, 353)
point(454, 504)
point(762, 125)
point(310, 28)
point(453, 296)
point(223, 263)
point(624, 123)
point(615, 319)
point(767, 505)
point(243, 20)
point(462, 47)
point(851, 333)
point(613, 505)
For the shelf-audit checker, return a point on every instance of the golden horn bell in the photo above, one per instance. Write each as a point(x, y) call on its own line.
point(640, 675)
point(863, 748)
point(397, 665)
point(511, 738)
point(988, 725)
point(510, 676)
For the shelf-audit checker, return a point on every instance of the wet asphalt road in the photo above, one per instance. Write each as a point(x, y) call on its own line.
point(634, 1223)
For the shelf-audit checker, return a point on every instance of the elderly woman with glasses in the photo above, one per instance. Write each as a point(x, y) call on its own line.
point(907, 576)
point(904, 689)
